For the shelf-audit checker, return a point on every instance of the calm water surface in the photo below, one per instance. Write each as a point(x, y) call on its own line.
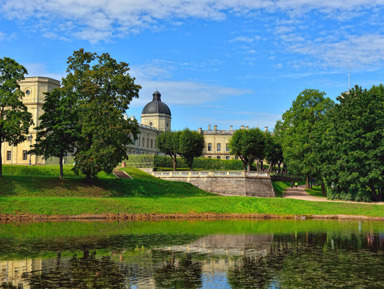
point(192, 254)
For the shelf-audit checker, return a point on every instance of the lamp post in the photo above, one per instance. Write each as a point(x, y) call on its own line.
point(30, 144)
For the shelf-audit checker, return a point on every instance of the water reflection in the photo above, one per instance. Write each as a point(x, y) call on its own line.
point(300, 259)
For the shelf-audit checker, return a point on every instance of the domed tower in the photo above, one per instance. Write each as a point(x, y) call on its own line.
point(157, 114)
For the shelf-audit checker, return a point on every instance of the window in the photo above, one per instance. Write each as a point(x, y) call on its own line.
point(9, 155)
point(25, 156)
point(209, 157)
point(218, 157)
point(227, 157)
point(226, 147)
point(151, 143)
point(236, 157)
point(147, 142)
point(143, 141)
point(209, 147)
point(219, 147)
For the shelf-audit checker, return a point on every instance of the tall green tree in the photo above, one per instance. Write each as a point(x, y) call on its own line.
point(248, 145)
point(299, 133)
point(273, 151)
point(57, 132)
point(354, 146)
point(15, 120)
point(191, 145)
point(168, 143)
point(104, 90)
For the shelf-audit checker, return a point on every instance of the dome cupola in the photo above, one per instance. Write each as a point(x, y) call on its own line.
point(156, 105)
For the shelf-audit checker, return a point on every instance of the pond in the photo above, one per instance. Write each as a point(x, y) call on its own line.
point(193, 254)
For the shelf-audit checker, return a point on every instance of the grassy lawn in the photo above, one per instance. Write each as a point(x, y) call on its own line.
point(279, 187)
point(315, 191)
point(37, 190)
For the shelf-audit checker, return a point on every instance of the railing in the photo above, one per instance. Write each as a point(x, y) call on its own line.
point(226, 174)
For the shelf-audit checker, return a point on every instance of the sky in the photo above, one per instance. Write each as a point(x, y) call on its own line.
point(218, 62)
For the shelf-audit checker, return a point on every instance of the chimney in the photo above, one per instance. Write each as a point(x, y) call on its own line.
point(209, 127)
point(215, 127)
point(242, 127)
point(200, 130)
point(265, 128)
point(231, 127)
point(247, 127)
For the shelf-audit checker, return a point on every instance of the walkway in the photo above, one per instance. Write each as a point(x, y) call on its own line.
point(299, 193)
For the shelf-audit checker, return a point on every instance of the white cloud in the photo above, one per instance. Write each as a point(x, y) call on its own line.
point(355, 50)
point(103, 19)
point(245, 39)
point(185, 92)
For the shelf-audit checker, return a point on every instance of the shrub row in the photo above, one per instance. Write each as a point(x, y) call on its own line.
point(158, 162)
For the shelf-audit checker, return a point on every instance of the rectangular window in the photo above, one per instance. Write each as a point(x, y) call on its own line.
point(218, 157)
point(143, 141)
point(236, 158)
point(25, 156)
point(151, 143)
point(227, 157)
point(219, 147)
point(209, 157)
point(226, 147)
point(209, 147)
point(147, 142)
point(9, 155)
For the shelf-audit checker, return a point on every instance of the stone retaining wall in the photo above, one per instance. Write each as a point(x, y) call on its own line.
point(238, 183)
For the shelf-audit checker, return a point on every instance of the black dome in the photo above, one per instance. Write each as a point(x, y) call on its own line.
point(156, 105)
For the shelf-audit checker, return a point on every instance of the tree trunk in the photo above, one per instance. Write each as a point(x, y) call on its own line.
point(279, 164)
point(174, 162)
point(61, 168)
point(261, 166)
point(249, 167)
point(306, 182)
point(323, 189)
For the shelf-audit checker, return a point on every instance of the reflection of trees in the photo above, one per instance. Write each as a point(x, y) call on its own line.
point(252, 273)
point(8, 285)
point(185, 275)
point(85, 272)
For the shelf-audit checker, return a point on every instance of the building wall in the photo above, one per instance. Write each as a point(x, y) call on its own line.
point(160, 121)
point(145, 142)
point(34, 88)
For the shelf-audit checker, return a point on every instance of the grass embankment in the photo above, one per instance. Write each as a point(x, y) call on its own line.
point(37, 190)
point(315, 191)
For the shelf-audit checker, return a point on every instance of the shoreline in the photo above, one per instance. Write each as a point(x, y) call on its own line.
point(5, 218)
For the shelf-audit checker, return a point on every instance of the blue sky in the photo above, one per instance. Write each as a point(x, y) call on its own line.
point(229, 62)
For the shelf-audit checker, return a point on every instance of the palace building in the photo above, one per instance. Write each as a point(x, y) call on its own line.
point(155, 118)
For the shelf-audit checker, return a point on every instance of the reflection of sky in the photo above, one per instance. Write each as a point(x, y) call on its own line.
point(217, 280)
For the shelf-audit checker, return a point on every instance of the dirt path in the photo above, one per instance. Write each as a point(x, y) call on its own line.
point(299, 193)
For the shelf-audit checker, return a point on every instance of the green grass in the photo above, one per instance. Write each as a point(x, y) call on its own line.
point(37, 190)
point(43, 181)
point(315, 191)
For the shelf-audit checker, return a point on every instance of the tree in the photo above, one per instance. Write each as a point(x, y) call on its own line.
point(191, 145)
point(15, 120)
point(299, 134)
point(168, 143)
point(58, 132)
point(273, 151)
point(354, 146)
point(248, 145)
point(104, 90)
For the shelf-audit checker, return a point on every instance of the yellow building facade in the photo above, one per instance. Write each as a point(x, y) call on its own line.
point(156, 117)
point(33, 88)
